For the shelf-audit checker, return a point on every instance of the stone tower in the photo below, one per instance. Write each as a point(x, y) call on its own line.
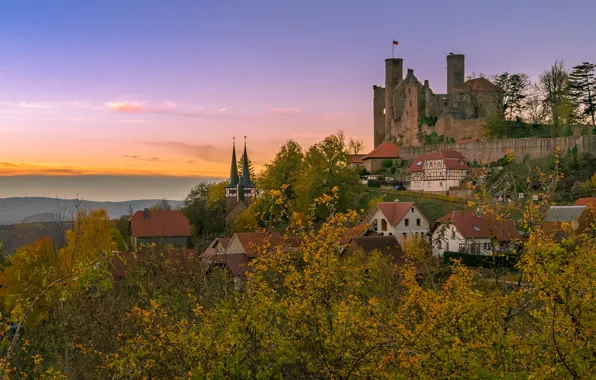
point(379, 115)
point(394, 72)
point(231, 189)
point(456, 71)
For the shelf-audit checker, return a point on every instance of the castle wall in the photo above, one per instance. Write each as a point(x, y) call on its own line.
point(449, 127)
point(492, 150)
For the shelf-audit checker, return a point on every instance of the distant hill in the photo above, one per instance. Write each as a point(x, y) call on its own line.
point(36, 209)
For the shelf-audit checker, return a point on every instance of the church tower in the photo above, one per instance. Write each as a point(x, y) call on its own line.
point(231, 189)
point(240, 189)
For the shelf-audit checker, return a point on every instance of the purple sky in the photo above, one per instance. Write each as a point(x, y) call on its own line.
point(160, 87)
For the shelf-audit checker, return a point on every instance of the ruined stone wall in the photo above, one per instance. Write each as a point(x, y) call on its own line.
point(449, 127)
point(492, 150)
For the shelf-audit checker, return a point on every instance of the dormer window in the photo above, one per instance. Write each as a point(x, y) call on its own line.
point(476, 228)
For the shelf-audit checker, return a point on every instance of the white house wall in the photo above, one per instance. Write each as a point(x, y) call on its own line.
point(398, 231)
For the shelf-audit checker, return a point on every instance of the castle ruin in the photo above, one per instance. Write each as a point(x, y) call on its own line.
point(405, 108)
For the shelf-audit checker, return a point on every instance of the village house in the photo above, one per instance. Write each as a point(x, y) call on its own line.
point(234, 255)
point(472, 232)
point(169, 227)
point(561, 221)
point(437, 172)
point(590, 202)
point(356, 160)
point(373, 161)
point(403, 220)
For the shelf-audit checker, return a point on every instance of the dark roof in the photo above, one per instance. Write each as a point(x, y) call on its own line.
point(395, 211)
point(165, 223)
point(211, 249)
point(451, 158)
point(384, 244)
point(478, 85)
point(385, 150)
point(233, 170)
point(351, 232)
point(236, 263)
point(471, 224)
point(564, 214)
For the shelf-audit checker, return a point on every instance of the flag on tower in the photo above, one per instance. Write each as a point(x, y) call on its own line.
point(394, 42)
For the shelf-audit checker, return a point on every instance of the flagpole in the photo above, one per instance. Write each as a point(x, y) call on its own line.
point(392, 50)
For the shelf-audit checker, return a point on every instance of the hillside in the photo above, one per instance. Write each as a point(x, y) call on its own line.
point(37, 209)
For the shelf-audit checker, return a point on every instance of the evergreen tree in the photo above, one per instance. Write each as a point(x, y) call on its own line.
point(515, 86)
point(251, 170)
point(582, 87)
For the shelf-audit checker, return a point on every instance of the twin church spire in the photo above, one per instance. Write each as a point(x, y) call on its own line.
point(235, 180)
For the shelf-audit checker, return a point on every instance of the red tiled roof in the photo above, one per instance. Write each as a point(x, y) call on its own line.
point(590, 202)
point(394, 211)
point(252, 241)
point(452, 159)
point(385, 150)
point(478, 84)
point(166, 223)
point(472, 226)
point(356, 158)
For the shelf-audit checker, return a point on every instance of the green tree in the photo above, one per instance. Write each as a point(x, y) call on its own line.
point(327, 165)
point(204, 206)
point(554, 85)
point(582, 84)
point(285, 169)
point(161, 205)
point(515, 87)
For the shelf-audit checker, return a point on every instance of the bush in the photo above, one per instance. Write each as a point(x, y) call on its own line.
point(499, 261)
point(374, 183)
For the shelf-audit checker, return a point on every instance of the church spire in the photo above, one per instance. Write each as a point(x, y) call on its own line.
point(234, 169)
point(245, 171)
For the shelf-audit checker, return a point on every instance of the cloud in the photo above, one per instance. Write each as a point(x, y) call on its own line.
point(151, 159)
point(222, 110)
point(33, 105)
point(333, 116)
point(283, 111)
point(205, 152)
point(165, 108)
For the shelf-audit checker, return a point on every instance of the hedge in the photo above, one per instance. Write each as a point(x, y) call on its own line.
point(500, 261)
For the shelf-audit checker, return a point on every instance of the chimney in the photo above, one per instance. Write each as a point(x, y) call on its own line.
point(146, 213)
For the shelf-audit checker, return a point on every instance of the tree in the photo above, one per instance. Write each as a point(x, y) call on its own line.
point(355, 146)
point(161, 205)
point(204, 206)
point(582, 84)
point(515, 86)
point(535, 110)
point(326, 166)
point(285, 169)
point(554, 85)
point(251, 170)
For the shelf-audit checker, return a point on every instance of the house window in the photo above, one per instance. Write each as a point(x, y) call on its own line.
point(412, 209)
point(383, 225)
point(440, 184)
point(407, 222)
point(440, 244)
point(453, 233)
point(390, 234)
point(418, 222)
